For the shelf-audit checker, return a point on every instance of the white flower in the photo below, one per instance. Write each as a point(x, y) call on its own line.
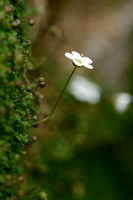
point(84, 90)
point(122, 101)
point(79, 60)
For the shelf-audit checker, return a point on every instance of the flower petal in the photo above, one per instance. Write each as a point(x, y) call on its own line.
point(86, 60)
point(87, 65)
point(69, 55)
point(77, 63)
point(76, 55)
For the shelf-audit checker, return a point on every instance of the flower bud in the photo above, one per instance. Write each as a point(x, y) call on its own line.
point(31, 22)
point(27, 43)
point(35, 117)
point(26, 52)
point(42, 84)
point(16, 23)
point(29, 89)
point(34, 138)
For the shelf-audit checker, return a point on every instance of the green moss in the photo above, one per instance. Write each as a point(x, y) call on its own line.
point(16, 104)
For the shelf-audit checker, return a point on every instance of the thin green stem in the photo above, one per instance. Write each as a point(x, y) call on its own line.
point(62, 91)
point(42, 120)
point(56, 103)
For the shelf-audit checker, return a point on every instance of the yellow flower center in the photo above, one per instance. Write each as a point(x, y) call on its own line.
point(78, 60)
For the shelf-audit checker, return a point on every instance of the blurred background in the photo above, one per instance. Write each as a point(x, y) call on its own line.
point(86, 151)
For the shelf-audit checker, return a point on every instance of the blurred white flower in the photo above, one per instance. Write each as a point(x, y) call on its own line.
point(79, 60)
point(122, 101)
point(84, 90)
